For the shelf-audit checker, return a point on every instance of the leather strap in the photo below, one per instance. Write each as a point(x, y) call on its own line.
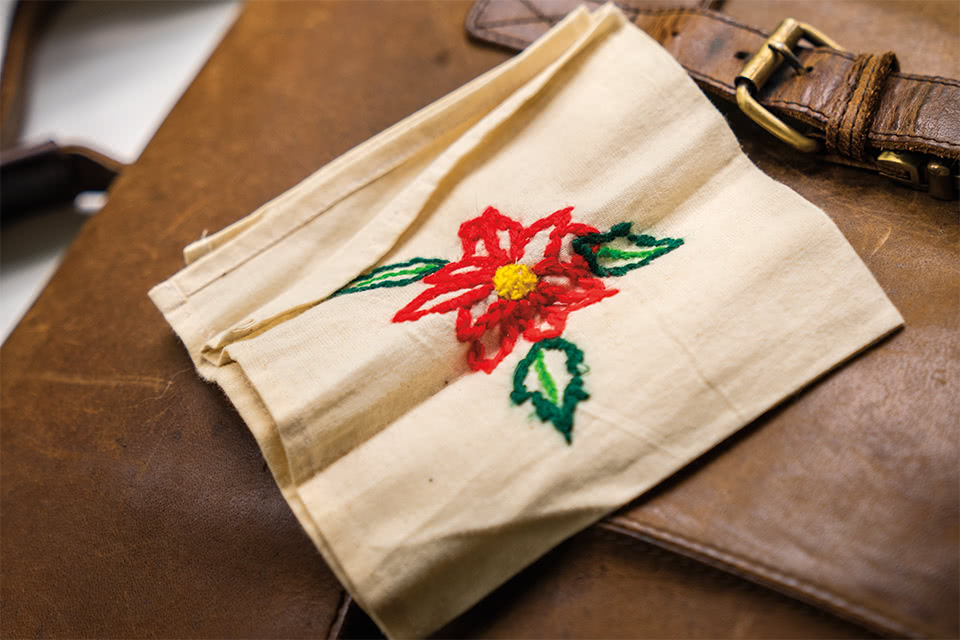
point(28, 21)
point(860, 105)
point(856, 103)
point(39, 176)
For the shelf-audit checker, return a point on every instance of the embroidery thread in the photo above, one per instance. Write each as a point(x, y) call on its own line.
point(592, 248)
point(549, 405)
point(393, 275)
point(515, 282)
point(502, 292)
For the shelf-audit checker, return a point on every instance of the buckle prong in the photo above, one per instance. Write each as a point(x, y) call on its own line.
point(789, 56)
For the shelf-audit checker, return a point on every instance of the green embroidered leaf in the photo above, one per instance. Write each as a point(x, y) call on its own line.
point(393, 275)
point(550, 404)
point(638, 250)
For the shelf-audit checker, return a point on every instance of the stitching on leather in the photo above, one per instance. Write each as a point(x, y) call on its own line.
point(931, 79)
point(859, 136)
point(870, 69)
point(704, 14)
point(536, 11)
point(768, 102)
point(551, 19)
point(803, 107)
point(707, 13)
point(851, 80)
point(737, 561)
point(336, 625)
point(537, 17)
point(914, 136)
point(950, 82)
point(500, 38)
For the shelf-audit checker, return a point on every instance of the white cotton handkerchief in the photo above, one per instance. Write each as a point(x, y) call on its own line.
point(513, 312)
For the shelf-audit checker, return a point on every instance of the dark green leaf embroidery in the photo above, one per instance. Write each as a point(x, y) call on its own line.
point(549, 404)
point(608, 261)
point(393, 275)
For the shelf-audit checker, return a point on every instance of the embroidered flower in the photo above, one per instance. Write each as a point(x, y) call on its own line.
point(511, 281)
point(514, 281)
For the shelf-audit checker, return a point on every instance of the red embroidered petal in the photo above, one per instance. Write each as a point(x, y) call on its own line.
point(477, 353)
point(576, 268)
point(561, 299)
point(588, 292)
point(415, 310)
point(468, 272)
point(485, 229)
point(579, 229)
point(470, 329)
point(554, 225)
point(551, 325)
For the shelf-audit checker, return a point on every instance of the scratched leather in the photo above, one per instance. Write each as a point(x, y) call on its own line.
point(134, 503)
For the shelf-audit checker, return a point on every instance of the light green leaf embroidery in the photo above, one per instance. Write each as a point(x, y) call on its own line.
point(605, 260)
point(549, 404)
point(393, 275)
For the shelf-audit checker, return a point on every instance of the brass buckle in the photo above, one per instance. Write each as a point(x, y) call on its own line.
point(933, 175)
point(778, 49)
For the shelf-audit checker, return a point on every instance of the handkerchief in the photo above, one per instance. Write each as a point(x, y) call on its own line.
point(513, 312)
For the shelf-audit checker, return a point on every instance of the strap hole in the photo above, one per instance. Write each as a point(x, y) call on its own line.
point(741, 55)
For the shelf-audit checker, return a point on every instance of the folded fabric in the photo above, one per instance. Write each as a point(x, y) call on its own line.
point(513, 312)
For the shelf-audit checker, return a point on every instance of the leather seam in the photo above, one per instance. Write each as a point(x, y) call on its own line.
point(804, 107)
point(864, 82)
point(336, 624)
point(950, 82)
point(834, 125)
point(927, 79)
point(777, 102)
point(707, 13)
point(873, 94)
point(913, 136)
point(707, 80)
point(749, 567)
point(554, 18)
point(500, 38)
point(704, 13)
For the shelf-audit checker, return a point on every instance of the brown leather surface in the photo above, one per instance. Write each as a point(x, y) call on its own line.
point(913, 112)
point(600, 584)
point(134, 503)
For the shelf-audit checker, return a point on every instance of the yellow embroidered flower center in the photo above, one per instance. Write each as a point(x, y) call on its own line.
point(514, 281)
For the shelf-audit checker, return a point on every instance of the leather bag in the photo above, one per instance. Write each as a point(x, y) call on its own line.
point(135, 502)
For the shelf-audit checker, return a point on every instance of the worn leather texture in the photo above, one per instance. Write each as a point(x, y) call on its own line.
point(906, 111)
point(134, 503)
point(601, 584)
